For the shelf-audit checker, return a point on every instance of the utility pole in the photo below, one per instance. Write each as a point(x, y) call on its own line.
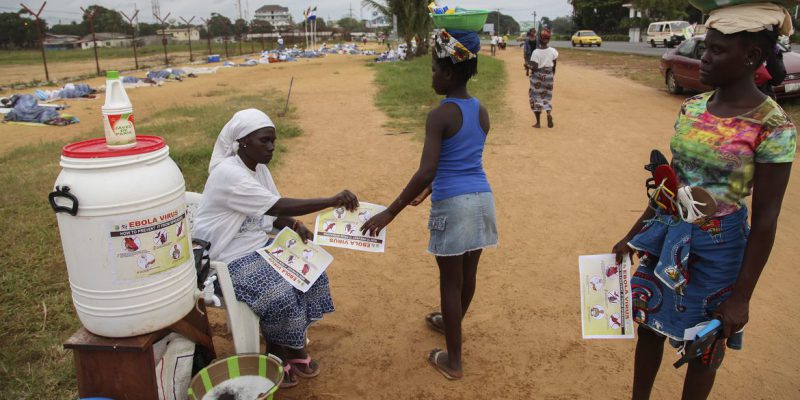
point(90, 16)
point(189, 35)
point(535, 25)
point(497, 29)
point(351, 9)
point(40, 34)
point(133, 28)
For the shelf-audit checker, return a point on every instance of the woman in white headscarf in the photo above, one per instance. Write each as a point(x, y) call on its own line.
point(241, 205)
point(733, 142)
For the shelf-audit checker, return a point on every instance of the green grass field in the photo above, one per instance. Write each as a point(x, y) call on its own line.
point(37, 310)
point(406, 96)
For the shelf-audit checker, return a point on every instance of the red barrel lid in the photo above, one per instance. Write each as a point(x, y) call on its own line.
point(96, 148)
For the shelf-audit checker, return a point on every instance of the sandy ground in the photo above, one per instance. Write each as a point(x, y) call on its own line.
point(560, 193)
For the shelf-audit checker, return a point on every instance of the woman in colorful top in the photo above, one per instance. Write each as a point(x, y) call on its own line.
point(543, 71)
point(240, 207)
point(462, 220)
point(730, 142)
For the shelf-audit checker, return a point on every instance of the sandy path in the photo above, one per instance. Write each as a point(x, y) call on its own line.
point(560, 193)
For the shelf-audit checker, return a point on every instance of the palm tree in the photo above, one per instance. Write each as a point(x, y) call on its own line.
point(412, 19)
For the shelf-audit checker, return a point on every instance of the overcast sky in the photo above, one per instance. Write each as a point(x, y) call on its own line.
point(69, 10)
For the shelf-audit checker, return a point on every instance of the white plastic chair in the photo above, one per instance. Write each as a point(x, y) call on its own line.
point(242, 321)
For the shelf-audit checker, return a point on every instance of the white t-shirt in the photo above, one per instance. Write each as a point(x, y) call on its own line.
point(544, 57)
point(280, 40)
point(231, 215)
point(494, 39)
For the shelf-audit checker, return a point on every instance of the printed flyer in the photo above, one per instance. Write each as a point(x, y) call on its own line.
point(342, 228)
point(141, 247)
point(299, 263)
point(605, 297)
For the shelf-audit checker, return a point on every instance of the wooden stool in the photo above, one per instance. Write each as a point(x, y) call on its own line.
point(124, 368)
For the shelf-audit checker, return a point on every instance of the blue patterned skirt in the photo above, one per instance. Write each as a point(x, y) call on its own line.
point(686, 270)
point(285, 313)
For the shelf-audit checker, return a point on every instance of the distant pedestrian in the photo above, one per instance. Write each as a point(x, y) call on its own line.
point(494, 44)
point(280, 43)
point(530, 44)
point(543, 71)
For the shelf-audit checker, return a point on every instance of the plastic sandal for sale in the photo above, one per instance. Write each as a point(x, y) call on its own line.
point(688, 207)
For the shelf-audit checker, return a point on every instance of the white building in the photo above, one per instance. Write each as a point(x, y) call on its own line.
point(277, 16)
point(377, 20)
point(104, 39)
point(181, 34)
point(634, 33)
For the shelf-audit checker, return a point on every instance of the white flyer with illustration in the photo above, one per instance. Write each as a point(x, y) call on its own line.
point(342, 228)
point(301, 264)
point(605, 297)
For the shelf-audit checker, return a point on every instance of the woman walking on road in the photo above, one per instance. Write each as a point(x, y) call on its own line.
point(543, 72)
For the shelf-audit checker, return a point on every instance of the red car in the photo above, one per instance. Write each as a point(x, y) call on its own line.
point(681, 69)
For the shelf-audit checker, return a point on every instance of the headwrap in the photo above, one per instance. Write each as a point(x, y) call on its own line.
point(241, 124)
point(458, 45)
point(753, 17)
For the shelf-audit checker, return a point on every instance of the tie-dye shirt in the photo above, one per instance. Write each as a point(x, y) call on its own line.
point(719, 154)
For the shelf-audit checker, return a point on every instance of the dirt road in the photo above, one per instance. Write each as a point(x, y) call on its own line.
point(560, 193)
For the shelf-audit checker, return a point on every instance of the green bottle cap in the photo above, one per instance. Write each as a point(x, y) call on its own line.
point(112, 74)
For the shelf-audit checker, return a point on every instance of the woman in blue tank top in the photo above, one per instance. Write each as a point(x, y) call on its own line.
point(462, 221)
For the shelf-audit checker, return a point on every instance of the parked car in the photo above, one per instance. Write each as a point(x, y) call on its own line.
point(584, 38)
point(681, 69)
point(668, 33)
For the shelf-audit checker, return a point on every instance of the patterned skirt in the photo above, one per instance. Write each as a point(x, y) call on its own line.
point(541, 90)
point(285, 313)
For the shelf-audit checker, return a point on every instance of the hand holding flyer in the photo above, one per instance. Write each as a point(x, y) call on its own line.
point(342, 228)
point(605, 297)
point(301, 264)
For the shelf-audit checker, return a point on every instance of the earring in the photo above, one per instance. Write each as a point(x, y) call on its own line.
point(244, 146)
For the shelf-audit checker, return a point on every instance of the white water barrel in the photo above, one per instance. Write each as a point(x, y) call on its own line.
point(122, 219)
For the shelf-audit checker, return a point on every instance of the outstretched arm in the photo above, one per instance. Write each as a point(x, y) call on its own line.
point(769, 186)
point(434, 131)
point(293, 207)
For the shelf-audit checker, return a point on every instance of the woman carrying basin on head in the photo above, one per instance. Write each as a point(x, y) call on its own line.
point(732, 142)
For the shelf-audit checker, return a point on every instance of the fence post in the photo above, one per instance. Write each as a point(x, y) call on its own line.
point(40, 35)
point(189, 34)
point(133, 33)
point(163, 35)
point(91, 15)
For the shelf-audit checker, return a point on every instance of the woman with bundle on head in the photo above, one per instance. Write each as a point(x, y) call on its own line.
point(732, 142)
point(462, 220)
point(543, 71)
point(240, 207)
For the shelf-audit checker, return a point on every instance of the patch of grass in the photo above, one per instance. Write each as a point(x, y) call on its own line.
point(9, 57)
point(406, 95)
point(642, 69)
point(639, 68)
point(38, 314)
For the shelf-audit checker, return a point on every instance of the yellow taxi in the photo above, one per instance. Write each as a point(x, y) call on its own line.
point(584, 38)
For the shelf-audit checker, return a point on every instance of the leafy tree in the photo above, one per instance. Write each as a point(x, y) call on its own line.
point(508, 24)
point(261, 26)
point(603, 16)
point(240, 27)
point(105, 20)
point(663, 9)
point(563, 26)
point(412, 19)
point(18, 30)
point(220, 25)
point(69, 29)
point(348, 24)
point(146, 29)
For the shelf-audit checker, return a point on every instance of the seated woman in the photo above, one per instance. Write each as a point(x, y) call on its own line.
point(240, 207)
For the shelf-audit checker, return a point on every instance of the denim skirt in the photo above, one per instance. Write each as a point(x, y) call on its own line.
point(462, 223)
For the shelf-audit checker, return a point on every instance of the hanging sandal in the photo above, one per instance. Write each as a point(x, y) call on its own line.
point(664, 197)
point(688, 207)
point(307, 362)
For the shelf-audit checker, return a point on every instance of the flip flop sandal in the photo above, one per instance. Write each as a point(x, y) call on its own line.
point(304, 361)
point(665, 194)
point(287, 375)
point(689, 198)
point(433, 359)
point(435, 321)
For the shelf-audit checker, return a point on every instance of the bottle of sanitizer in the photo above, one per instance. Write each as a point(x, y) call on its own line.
point(118, 114)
